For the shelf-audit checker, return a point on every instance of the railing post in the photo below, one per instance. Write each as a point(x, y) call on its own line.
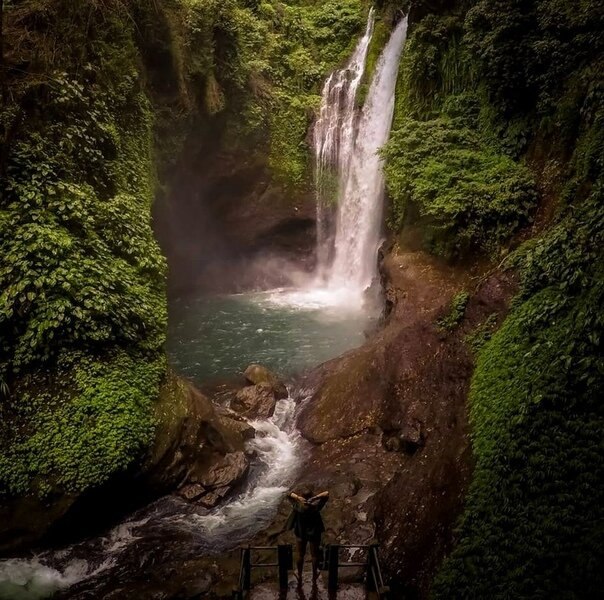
point(286, 562)
point(333, 557)
point(246, 562)
point(370, 582)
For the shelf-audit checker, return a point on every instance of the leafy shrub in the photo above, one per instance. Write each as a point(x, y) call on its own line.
point(522, 76)
point(482, 333)
point(465, 195)
point(82, 298)
point(90, 421)
point(531, 523)
point(80, 266)
point(456, 312)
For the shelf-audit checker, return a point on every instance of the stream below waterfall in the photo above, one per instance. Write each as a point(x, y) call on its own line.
point(209, 337)
point(285, 330)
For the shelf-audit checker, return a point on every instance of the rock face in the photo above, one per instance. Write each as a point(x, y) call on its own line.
point(227, 226)
point(405, 392)
point(255, 401)
point(258, 398)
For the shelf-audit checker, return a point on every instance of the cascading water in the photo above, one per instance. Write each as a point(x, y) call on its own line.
point(333, 137)
point(353, 152)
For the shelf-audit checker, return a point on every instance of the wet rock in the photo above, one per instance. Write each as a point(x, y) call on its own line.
point(237, 425)
point(192, 492)
point(392, 443)
point(190, 436)
point(202, 585)
point(213, 498)
point(255, 401)
point(226, 472)
point(256, 374)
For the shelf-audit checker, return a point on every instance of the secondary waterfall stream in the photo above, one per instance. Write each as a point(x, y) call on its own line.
point(285, 329)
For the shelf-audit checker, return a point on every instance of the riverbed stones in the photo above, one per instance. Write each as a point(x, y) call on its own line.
point(255, 401)
point(256, 374)
point(213, 498)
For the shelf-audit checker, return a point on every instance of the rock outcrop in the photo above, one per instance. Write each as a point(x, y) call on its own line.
point(257, 374)
point(227, 226)
point(404, 391)
point(255, 401)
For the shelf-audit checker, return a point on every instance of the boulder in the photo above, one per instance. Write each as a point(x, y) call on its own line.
point(256, 374)
point(226, 472)
point(255, 401)
point(192, 492)
point(237, 425)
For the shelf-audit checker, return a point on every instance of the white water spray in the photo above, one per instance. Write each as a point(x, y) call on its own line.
point(354, 154)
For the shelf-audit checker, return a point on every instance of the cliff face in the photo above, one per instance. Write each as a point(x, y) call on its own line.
point(226, 225)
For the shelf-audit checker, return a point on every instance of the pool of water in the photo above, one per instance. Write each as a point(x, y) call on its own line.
point(213, 337)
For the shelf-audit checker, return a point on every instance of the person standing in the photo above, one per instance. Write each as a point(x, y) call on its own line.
point(307, 524)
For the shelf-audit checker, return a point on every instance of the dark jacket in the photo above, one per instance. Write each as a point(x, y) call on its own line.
point(305, 519)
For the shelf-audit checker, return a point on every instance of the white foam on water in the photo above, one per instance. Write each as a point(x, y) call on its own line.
point(276, 446)
point(22, 579)
point(318, 296)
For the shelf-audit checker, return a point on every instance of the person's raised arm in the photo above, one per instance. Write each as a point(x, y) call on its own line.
point(295, 499)
point(320, 499)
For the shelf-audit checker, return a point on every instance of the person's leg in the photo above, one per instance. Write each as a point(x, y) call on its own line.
point(301, 548)
point(315, 552)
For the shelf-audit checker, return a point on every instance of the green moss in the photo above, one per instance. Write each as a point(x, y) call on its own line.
point(72, 431)
point(530, 527)
point(379, 39)
point(465, 195)
point(482, 333)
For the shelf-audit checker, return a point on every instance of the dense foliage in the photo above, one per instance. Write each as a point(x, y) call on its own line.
point(82, 301)
point(256, 67)
point(465, 195)
point(487, 92)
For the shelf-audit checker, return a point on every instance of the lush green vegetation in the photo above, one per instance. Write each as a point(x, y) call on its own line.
point(82, 307)
point(488, 92)
point(465, 195)
point(256, 67)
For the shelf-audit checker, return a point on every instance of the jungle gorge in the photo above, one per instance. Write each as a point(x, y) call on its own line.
point(249, 245)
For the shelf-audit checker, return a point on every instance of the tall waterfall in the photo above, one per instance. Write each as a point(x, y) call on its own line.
point(348, 143)
point(333, 135)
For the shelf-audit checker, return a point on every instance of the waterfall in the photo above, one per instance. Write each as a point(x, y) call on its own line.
point(333, 137)
point(348, 143)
